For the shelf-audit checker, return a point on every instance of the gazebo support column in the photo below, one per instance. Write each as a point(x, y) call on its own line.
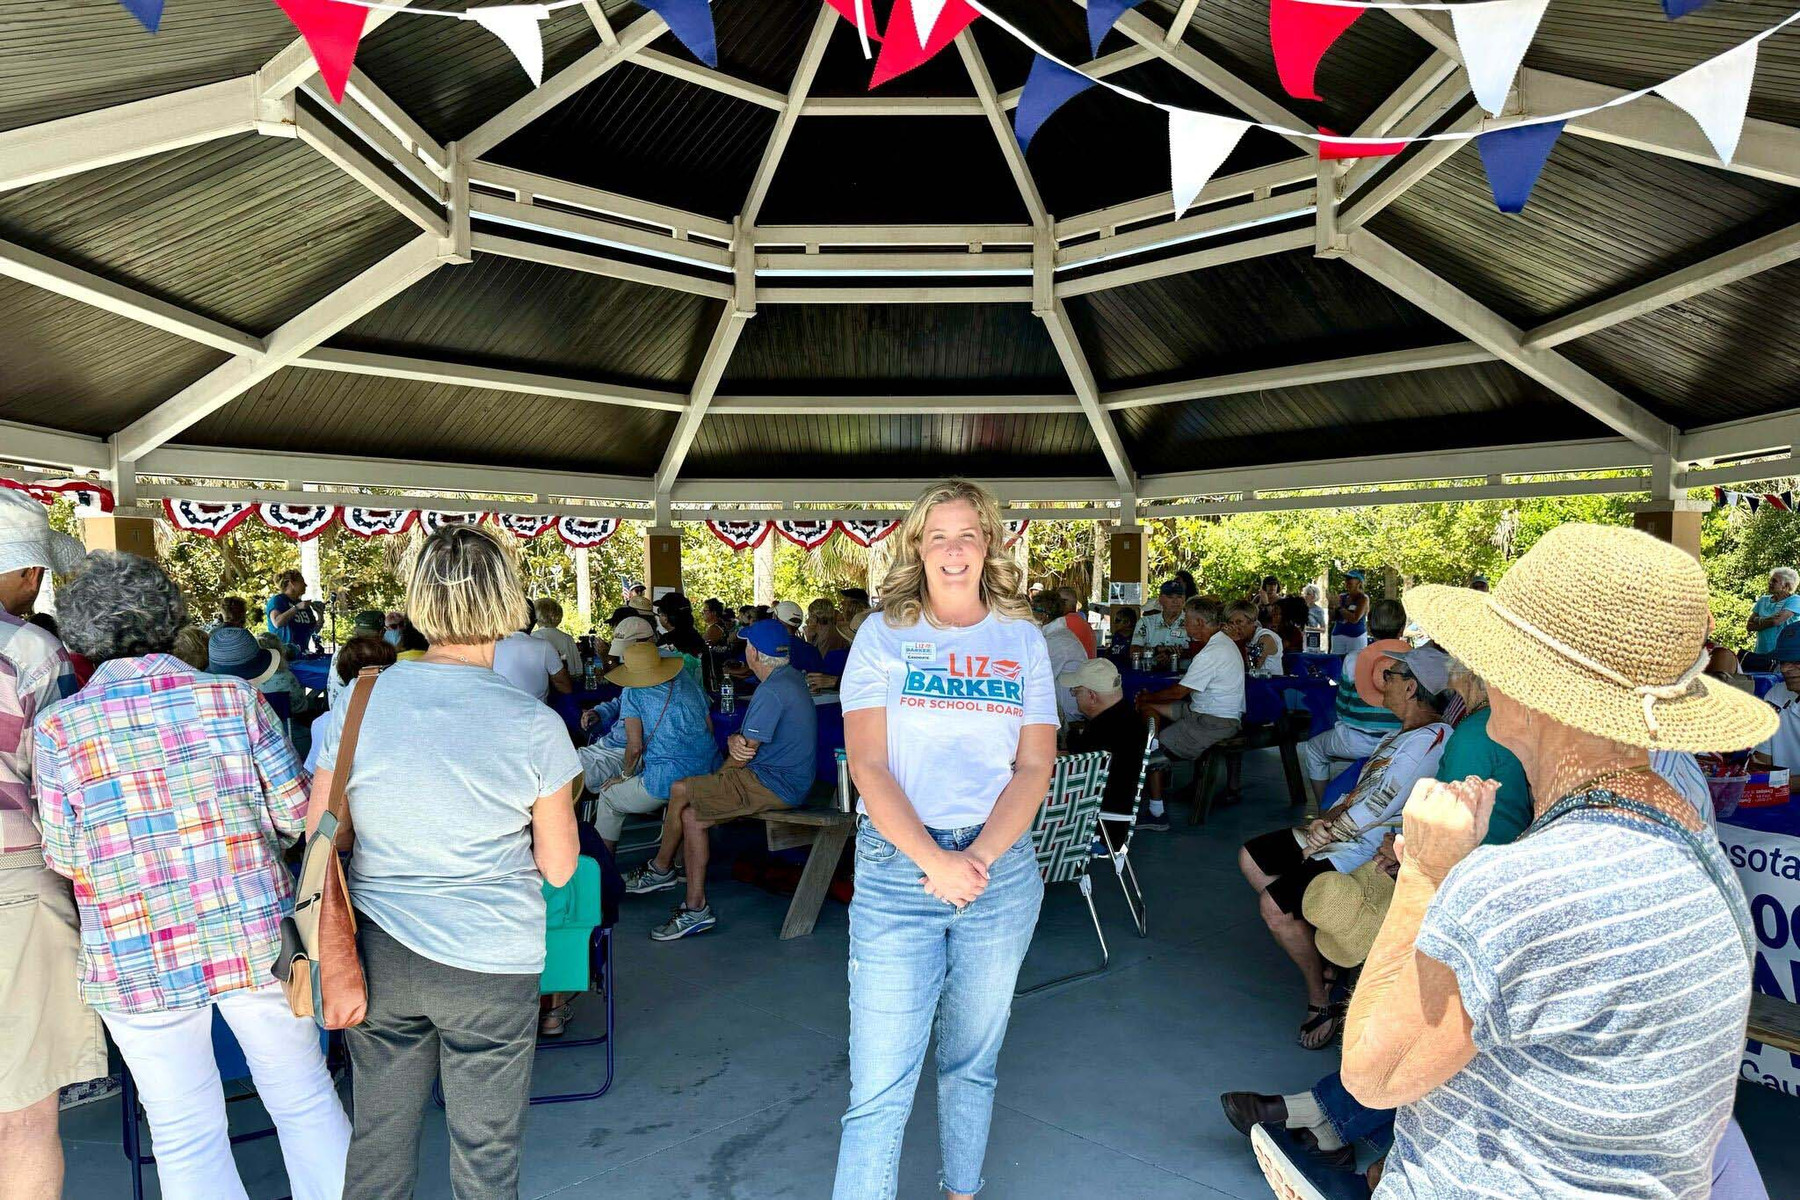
point(1674, 521)
point(1129, 560)
point(132, 534)
point(662, 558)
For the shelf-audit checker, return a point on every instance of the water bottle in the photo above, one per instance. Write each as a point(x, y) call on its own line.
point(727, 696)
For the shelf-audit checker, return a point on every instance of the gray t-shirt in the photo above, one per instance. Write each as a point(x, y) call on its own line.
point(449, 761)
point(1607, 980)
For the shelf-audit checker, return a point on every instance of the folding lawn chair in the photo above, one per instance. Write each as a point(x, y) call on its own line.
point(1063, 837)
point(1121, 858)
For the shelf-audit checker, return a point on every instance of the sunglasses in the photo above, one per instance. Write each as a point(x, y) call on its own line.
point(1389, 672)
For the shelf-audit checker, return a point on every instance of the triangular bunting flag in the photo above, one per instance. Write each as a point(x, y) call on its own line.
point(1675, 9)
point(331, 31)
point(862, 16)
point(900, 54)
point(1300, 34)
point(1014, 531)
point(1715, 94)
point(925, 14)
point(1776, 501)
point(1787, 500)
point(867, 533)
point(691, 21)
point(808, 535)
point(1513, 159)
point(1753, 501)
point(206, 519)
point(1493, 38)
point(1199, 143)
point(524, 526)
point(1732, 498)
point(1332, 149)
point(740, 535)
point(147, 12)
point(302, 522)
point(520, 26)
point(1102, 15)
point(1718, 496)
point(1049, 86)
point(367, 522)
point(584, 533)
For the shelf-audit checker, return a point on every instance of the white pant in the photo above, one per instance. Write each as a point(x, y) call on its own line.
point(621, 800)
point(1324, 756)
point(1348, 645)
point(171, 1057)
point(600, 764)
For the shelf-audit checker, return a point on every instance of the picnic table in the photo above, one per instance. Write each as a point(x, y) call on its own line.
point(1265, 697)
point(1313, 665)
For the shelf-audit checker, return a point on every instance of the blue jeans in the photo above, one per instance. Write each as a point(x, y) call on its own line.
point(1348, 1117)
point(917, 963)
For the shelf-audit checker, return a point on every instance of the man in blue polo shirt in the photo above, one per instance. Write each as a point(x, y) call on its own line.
point(771, 764)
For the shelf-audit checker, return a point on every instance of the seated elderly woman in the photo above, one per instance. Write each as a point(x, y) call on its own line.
point(1489, 1011)
point(1771, 613)
point(165, 795)
point(1414, 686)
point(667, 737)
point(603, 757)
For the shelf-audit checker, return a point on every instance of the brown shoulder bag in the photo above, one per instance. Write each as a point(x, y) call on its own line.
point(318, 964)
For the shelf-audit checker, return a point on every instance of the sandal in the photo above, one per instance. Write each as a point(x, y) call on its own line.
point(1323, 1024)
point(555, 1022)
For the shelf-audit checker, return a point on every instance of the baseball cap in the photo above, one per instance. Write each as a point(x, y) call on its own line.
point(860, 595)
point(1787, 643)
point(788, 611)
point(1171, 587)
point(1429, 665)
point(772, 637)
point(1096, 674)
point(1353, 574)
point(629, 632)
point(368, 621)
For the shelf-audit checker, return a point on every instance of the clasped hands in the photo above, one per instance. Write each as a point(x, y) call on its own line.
point(956, 877)
point(1443, 822)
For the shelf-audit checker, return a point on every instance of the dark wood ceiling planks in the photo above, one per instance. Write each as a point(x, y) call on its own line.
point(857, 447)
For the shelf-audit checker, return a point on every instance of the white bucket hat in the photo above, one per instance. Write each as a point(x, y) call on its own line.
point(26, 539)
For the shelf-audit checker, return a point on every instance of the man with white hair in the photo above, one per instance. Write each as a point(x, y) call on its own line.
point(1773, 610)
point(604, 758)
point(1111, 725)
point(49, 1038)
point(1068, 600)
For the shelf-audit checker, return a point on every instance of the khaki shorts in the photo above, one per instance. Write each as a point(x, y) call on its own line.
point(48, 1037)
point(730, 794)
point(1194, 734)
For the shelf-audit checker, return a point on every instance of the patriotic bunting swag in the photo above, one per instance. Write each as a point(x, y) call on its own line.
point(1014, 531)
point(368, 522)
point(1779, 501)
point(431, 519)
point(302, 522)
point(740, 535)
point(867, 533)
point(584, 533)
point(90, 498)
point(524, 526)
point(808, 535)
point(206, 519)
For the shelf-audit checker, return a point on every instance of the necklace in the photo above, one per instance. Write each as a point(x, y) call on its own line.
point(457, 659)
point(1590, 783)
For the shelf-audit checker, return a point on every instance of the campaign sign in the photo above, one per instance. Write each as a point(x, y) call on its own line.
point(1768, 866)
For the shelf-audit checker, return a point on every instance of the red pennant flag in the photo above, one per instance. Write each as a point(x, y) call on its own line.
point(1332, 148)
point(1776, 501)
point(900, 49)
point(847, 9)
point(331, 31)
point(1300, 34)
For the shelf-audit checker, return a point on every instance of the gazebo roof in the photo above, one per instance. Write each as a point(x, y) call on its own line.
point(766, 282)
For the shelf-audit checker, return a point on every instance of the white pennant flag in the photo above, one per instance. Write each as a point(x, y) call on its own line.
point(1493, 38)
point(925, 17)
point(519, 26)
point(1715, 94)
point(1199, 143)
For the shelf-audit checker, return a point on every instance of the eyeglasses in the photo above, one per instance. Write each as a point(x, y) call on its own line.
point(1389, 672)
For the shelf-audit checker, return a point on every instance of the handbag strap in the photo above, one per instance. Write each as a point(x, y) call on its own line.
point(346, 755)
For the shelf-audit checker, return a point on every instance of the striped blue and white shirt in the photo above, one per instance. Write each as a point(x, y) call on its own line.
point(1608, 983)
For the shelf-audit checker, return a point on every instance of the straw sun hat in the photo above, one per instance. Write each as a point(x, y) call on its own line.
point(1347, 911)
point(1548, 637)
point(642, 665)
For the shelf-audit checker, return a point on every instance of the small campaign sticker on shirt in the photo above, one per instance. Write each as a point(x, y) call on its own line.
point(918, 652)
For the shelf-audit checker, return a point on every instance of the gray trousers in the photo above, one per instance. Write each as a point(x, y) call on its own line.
point(428, 1021)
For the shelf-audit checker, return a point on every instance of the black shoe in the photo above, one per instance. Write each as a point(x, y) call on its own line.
point(1246, 1110)
point(1228, 799)
point(1155, 822)
point(1296, 1173)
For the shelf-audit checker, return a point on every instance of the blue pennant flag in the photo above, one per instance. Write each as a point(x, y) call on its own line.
point(1049, 86)
point(1514, 158)
point(692, 22)
point(1103, 13)
point(149, 12)
point(1674, 9)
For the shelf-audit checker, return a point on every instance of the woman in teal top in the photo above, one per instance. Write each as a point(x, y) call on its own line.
point(1470, 751)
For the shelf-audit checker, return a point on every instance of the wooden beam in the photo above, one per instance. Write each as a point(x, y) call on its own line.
point(1081, 375)
point(1362, 366)
point(1099, 68)
point(563, 85)
point(1483, 326)
point(600, 230)
point(294, 65)
point(528, 188)
point(52, 447)
point(28, 266)
point(394, 366)
point(892, 106)
point(188, 491)
point(893, 235)
point(1003, 130)
point(375, 135)
point(597, 18)
point(712, 370)
point(706, 77)
point(1741, 262)
point(1418, 162)
point(926, 293)
point(1208, 223)
point(295, 337)
point(860, 406)
point(398, 122)
point(1616, 485)
point(1106, 221)
point(51, 149)
point(824, 25)
point(897, 262)
point(1767, 434)
point(598, 264)
point(1178, 25)
point(878, 490)
point(1180, 264)
point(322, 135)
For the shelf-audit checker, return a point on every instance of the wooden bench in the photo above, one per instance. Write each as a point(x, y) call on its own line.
point(1774, 1022)
point(827, 831)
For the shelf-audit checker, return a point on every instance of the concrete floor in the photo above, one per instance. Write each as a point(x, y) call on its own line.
point(733, 1069)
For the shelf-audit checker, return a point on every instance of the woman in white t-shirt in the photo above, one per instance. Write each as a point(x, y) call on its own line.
point(950, 720)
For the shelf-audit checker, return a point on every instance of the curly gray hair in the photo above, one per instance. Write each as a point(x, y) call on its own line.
point(120, 606)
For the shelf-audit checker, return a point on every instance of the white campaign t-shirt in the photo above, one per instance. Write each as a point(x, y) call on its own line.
point(1216, 677)
point(527, 663)
point(956, 700)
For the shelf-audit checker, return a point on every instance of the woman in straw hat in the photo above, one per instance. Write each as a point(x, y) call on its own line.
point(1563, 1015)
point(950, 720)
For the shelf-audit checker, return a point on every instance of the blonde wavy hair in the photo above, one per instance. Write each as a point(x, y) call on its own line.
point(465, 588)
point(903, 598)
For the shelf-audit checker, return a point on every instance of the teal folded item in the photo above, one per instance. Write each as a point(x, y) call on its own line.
point(572, 912)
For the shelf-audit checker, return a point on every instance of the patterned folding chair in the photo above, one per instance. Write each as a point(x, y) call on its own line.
point(1063, 836)
point(1121, 858)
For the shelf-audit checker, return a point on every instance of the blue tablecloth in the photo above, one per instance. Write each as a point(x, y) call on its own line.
point(313, 670)
point(1265, 699)
point(1764, 680)
point(1312, 665)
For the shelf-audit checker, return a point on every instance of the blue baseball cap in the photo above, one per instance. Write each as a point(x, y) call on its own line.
point(1787, 643)
point(770, 636)
point(1171, 587)
point(1353, 574)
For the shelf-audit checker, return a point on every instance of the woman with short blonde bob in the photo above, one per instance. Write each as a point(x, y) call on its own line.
point(460, 809)
point(950, 721)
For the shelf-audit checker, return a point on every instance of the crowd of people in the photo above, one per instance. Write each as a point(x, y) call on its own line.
point(1509, 909)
